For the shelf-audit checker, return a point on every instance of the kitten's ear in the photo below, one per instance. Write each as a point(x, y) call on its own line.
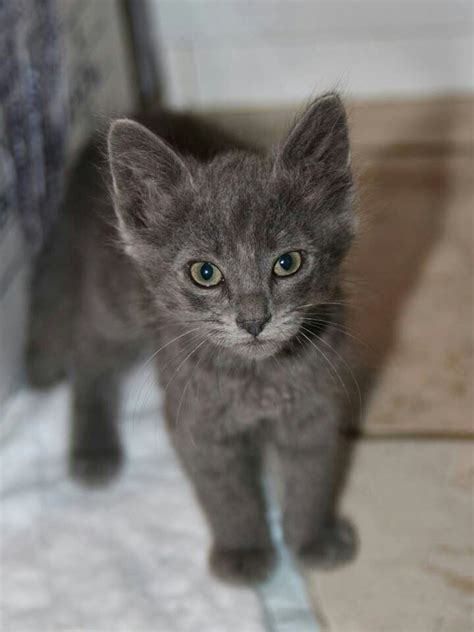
point(319, 136)
point(144, 169)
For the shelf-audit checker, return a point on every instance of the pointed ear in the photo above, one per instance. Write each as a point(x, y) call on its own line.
point(319, 136)
point(145, 170)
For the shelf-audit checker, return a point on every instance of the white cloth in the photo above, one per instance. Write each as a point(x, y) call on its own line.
point(130, 557)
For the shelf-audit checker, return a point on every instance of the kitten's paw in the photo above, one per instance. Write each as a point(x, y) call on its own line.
point(242, 566)
point(337, 545)
point(95, 470)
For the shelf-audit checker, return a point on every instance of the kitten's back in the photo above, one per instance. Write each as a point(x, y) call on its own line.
point(84, 230)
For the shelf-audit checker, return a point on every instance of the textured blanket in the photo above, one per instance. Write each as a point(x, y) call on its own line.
point(130, 557)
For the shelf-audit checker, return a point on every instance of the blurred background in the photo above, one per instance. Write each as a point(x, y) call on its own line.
point(405, 68)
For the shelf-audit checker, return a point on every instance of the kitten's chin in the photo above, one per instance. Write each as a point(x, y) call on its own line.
point(257, 349)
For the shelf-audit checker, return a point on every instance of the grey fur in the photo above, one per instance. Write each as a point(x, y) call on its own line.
point(187, 197)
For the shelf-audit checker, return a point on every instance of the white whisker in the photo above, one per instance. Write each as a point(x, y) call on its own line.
point(167, 344)
point(341, 381)
point(176, 371)
point(338, 327)
point(190, 377)
point(147, 362)
point(343, 361)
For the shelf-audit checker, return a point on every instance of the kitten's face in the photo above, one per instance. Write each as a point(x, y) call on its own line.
point(237, 249)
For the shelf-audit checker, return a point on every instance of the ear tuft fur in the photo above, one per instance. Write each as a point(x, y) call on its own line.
point(319, 136)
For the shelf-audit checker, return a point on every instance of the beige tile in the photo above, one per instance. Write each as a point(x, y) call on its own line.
point(413, 294)
point(412, 504)
point(438, 122)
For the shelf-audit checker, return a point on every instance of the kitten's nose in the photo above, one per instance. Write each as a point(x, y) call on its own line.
point(254, 327)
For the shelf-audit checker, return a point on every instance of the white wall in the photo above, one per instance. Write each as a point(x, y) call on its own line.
point(261, 52)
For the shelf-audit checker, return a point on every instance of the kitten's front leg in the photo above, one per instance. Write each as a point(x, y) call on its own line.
point(226, 478)
point(311, 528)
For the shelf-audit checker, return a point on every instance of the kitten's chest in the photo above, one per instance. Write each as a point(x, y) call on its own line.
point(220, 401)
point(239, 403)
point(254, 400)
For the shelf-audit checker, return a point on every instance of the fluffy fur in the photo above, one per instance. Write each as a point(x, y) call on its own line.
point(114, 282)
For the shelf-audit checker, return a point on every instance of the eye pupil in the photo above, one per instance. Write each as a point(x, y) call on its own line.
point(287, 264)
point(286, 261)
point(206, 271)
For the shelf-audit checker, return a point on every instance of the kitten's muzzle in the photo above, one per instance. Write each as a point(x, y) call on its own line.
point(254, 327)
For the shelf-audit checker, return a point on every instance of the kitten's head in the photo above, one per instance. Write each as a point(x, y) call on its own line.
point(236, 247)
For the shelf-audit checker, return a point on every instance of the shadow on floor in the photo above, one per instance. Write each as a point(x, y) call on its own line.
point(404, 192)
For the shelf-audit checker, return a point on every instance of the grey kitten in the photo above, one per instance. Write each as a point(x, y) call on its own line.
point(223, 265)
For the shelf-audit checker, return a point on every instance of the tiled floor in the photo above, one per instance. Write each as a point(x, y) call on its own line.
point(412, 503)
point(410, 500)
point(412, 293)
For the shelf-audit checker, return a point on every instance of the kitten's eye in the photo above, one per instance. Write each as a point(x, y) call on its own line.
point(287, 264)
point(205, 273)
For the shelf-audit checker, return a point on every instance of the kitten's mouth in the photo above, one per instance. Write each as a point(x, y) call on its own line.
point(257, 347)
point(267, 344)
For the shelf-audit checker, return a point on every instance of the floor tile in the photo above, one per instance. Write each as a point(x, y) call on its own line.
point(412, 504)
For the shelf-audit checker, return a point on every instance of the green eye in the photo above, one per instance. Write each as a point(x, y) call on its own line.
point(205, 273)
point(287, 264)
